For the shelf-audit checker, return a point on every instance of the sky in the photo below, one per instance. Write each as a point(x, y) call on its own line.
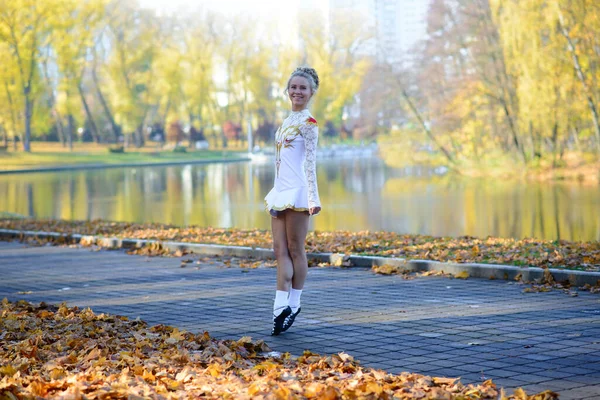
point(257, 8)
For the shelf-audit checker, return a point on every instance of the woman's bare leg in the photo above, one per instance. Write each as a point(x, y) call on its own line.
point(285, 269)
point(296, 225)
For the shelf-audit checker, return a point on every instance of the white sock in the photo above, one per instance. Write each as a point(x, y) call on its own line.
point(295, 299)
point(281, 302)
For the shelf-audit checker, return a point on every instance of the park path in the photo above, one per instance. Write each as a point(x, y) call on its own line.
point(474, 329)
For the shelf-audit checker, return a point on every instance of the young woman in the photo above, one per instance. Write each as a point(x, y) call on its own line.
point(294, 197)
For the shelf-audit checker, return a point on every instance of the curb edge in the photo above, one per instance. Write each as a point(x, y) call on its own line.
point(475, 270)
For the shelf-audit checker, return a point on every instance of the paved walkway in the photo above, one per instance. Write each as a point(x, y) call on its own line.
point(476, 329)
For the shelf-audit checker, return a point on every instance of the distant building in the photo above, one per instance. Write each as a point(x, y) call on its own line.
point(396, 25)
point(358, 16)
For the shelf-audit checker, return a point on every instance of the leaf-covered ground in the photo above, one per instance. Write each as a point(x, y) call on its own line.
point(525, 252)
point(62, 352)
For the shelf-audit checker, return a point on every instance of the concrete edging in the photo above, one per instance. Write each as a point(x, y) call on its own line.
point(485, 271)
point(124, 165)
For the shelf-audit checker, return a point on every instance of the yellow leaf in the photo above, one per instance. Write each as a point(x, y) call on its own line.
point(148, 376)
point(462, 275)
point(57, 373)
point(520, 394)
point(185, 375)
point(313, 389)
point(519, 277)
point(373, 388)
point(244, 340)
point(444, 381)
point(253, 389)
point(282, 392)
point(7, 370)
point(214, 370)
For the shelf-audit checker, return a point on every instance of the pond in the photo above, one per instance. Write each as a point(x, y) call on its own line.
point(357, 194)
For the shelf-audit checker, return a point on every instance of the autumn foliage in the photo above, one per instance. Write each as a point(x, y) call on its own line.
point(524, 252)
point(50, 351)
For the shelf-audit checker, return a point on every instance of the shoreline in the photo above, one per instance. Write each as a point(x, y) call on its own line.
point(75, 167)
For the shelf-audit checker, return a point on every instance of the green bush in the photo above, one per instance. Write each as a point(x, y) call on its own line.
point(179, 149)
point(117, 149)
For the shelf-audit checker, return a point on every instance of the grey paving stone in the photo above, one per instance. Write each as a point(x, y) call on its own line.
point(555, 374)
point(447, 363)
point(419, 359)
point(470, 377)
point(577, 370)
point(590, 365)
point(534, 378)
point(560, 385)
point(587, 378)
point(494, 364)
point(591, 393)
point(543, 340)
point(538, 357)
point(448, 372)
point(502, 373)
point(525, 369)
point(415, 352)
point(488, 356)
point(509, 384)
point(535, 388)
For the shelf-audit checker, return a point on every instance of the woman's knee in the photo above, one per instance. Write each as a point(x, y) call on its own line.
point(281, 250)
point(296, 249)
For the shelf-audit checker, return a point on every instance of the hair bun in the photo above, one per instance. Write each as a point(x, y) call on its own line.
point(312, 72)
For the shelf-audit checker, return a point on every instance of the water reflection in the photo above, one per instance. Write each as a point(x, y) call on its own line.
point(357, 194)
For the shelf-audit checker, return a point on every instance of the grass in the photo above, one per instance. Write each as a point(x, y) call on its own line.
point(46, 154)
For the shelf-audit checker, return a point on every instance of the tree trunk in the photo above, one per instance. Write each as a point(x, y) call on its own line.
point(138, 136)
point(508, 98)
point(28, 116)
point(70, 129)
point(430, 135)
point(51, 105)
point(513, 130)
point(576, 139)
point(581, 76)
point(88, 113)
point(535, 152)
point(13, 117)
point(60, 128)
point(114, 127)
point(30, 207)
point(555, 145)
point(5, 136)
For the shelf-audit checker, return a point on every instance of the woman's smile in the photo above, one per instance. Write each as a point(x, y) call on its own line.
point(299, 92)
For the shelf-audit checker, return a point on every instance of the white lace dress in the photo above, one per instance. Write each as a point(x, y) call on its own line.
point(295, 165)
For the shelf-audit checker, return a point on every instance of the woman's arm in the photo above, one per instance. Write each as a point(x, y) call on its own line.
point(311, 138)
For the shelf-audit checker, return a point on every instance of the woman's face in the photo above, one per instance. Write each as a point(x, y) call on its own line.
point(300, 92)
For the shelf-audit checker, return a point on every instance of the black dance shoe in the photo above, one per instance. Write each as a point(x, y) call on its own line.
point(289, 321)
point(279, 320)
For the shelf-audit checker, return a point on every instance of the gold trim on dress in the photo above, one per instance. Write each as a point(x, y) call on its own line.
point(286, 207)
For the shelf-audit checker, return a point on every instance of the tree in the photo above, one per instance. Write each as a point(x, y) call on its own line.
point(199, 44)
point(10, 98)
point(24, 26)
point(135, 35)
point(338, 61)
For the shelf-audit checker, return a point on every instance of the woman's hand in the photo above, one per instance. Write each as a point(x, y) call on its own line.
point(314, 210)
